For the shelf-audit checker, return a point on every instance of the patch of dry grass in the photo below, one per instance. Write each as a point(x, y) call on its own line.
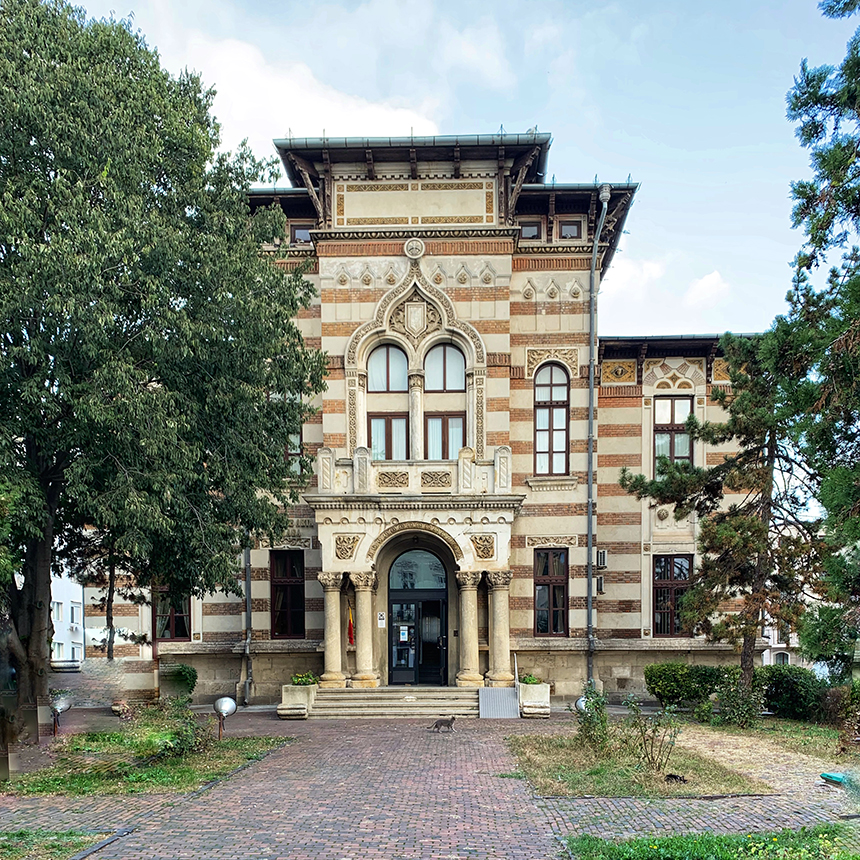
point(44, 845)
point(560, 765)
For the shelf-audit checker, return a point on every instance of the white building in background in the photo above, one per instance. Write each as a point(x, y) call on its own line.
point(67, 616)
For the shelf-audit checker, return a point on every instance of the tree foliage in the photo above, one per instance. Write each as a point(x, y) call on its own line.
point(151, 375)
point(759, 547)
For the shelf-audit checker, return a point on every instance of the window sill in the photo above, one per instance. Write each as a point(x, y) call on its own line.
point(551, 483)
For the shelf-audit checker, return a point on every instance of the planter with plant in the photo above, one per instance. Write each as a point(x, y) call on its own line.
point(297, 698)
point(534, 697)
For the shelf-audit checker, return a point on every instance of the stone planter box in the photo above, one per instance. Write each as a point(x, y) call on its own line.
point(297, 701)
point(534, 701)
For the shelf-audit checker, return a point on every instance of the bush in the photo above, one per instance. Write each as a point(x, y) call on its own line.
point(528, 678)
point(651, 739)
point(593, 721)
point(704, 712)
point(185, 676)
point(739, 706)
point(305, 679)
point(791, 691)
point(680, 683)
point(834, 704)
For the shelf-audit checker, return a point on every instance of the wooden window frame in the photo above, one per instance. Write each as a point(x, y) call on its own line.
point(388, 389)
point(549, 405)
point(678, 587)
point(389, 417)
point(445, 390)
point(445, 416)
point(293, 580)
point(307, 225)
point(549, 582)
point(672, 429)
point(172, 616)
point(563, 220)
point(531, 222)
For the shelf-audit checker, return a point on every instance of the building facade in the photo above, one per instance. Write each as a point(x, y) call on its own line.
point(446, 528)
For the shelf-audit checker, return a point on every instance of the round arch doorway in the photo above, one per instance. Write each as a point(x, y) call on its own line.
point(418, 613)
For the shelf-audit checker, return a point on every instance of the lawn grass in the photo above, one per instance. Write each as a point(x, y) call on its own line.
point(97, 763)
point(819, 843)
point(803, 737)
point(45, 845)
point(561, 765)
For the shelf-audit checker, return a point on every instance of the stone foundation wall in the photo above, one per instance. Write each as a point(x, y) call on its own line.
point(271, 671)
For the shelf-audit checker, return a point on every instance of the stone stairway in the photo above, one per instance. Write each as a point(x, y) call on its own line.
point(395, 703)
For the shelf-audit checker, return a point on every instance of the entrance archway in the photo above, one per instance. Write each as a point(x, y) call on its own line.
point(418, 613)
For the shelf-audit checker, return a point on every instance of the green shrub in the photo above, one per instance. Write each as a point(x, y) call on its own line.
point(704, 712)
point(680, 683)
point(593, 720)
point(185, 676)
point(739, 706)
point(528, 678)
point(651, 739)
point(791, 691)
point(305, 679)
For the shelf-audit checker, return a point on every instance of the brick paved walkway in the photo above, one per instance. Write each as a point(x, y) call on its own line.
point(346, 791)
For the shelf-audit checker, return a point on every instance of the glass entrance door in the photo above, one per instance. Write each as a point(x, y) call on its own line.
point(418, 631)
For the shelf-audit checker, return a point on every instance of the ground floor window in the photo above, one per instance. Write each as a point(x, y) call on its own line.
point(551, 578)
point(287, 573)
point(172, 616)
point(671, 580)
point(781, 658)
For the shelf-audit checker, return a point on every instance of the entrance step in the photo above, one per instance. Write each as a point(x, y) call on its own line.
point(395, 703)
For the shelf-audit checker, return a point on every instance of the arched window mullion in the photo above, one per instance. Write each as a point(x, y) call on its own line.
point(551, 420)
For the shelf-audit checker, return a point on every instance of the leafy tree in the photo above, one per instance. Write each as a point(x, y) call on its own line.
point(759, 547)
point(818, 340)
point(150, 374)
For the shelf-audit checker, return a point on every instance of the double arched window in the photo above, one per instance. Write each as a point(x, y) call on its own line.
point(387, 370)
point(444, 369)
point(552, 420)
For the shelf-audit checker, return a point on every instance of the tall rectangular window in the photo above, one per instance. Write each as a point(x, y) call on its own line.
point(172, 616)
point(551, 578)
point(552, 420)
point(671, 438)
point(287, 574)
point(56, 650)
point(444, 435)
point(75, 613)
point(389, 436)
point(56, 611)
point(671, 580)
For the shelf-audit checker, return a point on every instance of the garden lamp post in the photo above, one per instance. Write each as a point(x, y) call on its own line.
point(224, 707)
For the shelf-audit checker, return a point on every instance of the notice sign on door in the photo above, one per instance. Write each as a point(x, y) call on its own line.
point(380, 619)
point(404, 634)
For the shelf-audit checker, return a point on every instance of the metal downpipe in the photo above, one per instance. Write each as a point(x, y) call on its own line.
point(605, 191)
point(248, 664)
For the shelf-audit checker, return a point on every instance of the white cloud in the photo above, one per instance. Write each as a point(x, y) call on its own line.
point(707, 292)
point(628, 278)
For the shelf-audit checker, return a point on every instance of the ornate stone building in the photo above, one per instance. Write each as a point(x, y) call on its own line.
point(447, 524)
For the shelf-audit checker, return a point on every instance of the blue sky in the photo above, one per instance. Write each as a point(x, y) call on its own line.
point(686, 98)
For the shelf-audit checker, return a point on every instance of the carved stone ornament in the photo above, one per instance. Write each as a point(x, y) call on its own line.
point(344, 545)
point(569, 357)
point(499, 578)
point(485, 546)
point(414, 248)
point(392, 479)
point(414, 318)
point(435, 479)
point(330, 580)
point(553, 540)
point(468, 578)
point(662, 514)
point(619, 371)
point(720, 372)
point(414, 526)
point(365, 580)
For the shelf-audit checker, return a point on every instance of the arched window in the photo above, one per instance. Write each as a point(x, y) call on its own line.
point(552, 422)
point(781, 658)
point(445, 369)
point(387, 370)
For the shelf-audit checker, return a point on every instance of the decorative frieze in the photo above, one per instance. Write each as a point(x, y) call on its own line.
point(552, 540)
point(485, 546)
point(344, 545)
point(392, 479)
point(568, 357)
point(436, 479)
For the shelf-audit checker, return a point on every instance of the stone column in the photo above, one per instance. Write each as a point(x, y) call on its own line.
point(416, 416)
point(469, 676)
point(500, 674)
point(333, 676)
point(365, 585)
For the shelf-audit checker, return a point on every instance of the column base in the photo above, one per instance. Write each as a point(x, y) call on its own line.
point(500, 679)
point(469, 679)
point(332, 683)
point(363, 683)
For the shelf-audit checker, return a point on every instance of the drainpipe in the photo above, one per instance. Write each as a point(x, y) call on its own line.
point(605, 191)
point(248, 665)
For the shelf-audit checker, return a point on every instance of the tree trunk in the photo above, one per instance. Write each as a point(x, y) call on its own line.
point(109, 603)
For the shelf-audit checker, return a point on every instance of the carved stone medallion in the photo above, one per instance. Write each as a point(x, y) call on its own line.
point(414, 248)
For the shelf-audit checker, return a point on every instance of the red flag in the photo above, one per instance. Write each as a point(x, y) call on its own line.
point(350, 631)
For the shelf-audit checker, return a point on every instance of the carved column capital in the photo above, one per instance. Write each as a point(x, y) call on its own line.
point(364, 581)
point(499, 578)
point(416, 380)
point(468, 578)
point(330, 580)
